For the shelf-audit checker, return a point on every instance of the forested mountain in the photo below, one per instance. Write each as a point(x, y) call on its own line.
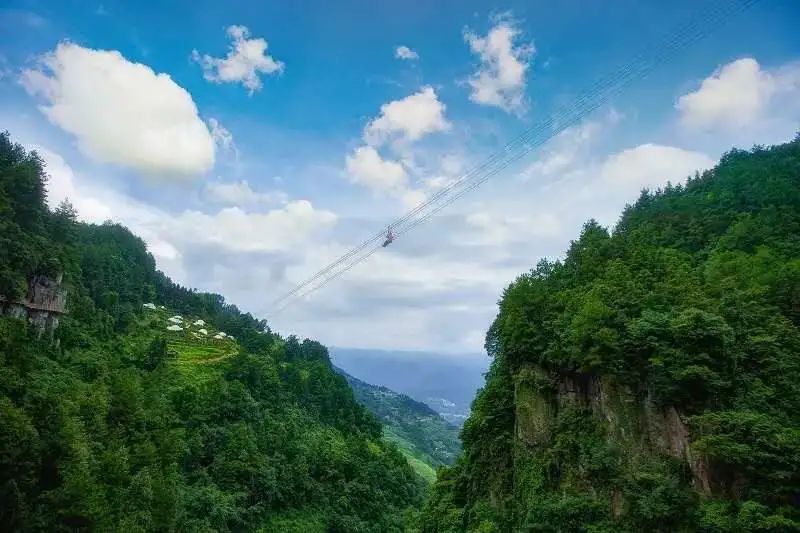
point(426, 439)
point(447, 383)
point(650, 381)
point(133, 419)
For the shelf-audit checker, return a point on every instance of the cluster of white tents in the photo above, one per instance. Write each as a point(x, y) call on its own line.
point(177, 324)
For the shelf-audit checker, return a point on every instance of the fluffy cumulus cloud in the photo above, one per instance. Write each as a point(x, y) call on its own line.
point(247, 59)
point(121, 112)
point(398, 126)
point(240, 193)
point(651, 166)
point(404, 52)
point(194, 246)
point(500, 229)
point(366, 167)
point(580, 179)
point(501, 76)
point(62, 185)
point(234, 229)
point(743, 95)
point(408, 119)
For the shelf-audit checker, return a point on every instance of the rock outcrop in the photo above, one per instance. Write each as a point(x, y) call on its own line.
point(633, 421)
point(43, 305)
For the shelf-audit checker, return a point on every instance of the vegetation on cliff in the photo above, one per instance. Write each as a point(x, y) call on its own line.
point(125, 425)
point(650, 381)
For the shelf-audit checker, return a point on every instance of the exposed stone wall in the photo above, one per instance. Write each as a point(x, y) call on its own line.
point(44, 303)
point(634, 422)
point(47, 293)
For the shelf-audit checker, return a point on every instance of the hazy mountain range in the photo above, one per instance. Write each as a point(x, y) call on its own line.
point(420, 433)
point(445, 382)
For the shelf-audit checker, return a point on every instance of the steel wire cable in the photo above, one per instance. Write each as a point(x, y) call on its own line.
point(604, 89)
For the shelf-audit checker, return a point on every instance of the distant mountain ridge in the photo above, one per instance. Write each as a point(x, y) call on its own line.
point(446, 383)
point(420, 432)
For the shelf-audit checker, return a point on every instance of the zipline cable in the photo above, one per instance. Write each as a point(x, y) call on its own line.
point(538, 128)
point(474, 178)
point(515, 157)
point(597, 87)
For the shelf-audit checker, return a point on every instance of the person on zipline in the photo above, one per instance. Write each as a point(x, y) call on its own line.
point(389, 237)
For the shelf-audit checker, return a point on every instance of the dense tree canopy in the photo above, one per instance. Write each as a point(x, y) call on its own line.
point(122, 425)
point(692, 303)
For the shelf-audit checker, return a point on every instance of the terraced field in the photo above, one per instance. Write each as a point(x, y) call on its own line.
point(195, 353)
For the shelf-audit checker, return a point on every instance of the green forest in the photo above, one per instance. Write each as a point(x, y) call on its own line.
point(120, 424)
point(426, 439)
point(650, 380)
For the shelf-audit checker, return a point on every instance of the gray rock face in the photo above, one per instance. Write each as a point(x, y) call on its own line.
point(634, 422)
point(44, 303)
point(47, 294)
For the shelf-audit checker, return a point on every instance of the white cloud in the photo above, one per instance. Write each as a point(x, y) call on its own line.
point(239, 193)
point(412, 197)
point(735, 95)
point(246, 59)
point(122, 112)
point(408, 119)
point(234, 229)
point(500, 78)
point(452, 164)
point(404, 52)
point(399, 125)
point(62, 184)
point(501, 229)
point(568, 148)
point(222, 137)
point(60, 177)
point(444, 278)
point(450, 168)
point(366, 167)
point(743, 95)
point(176, 239)
point(651, 166)
point(576, 180)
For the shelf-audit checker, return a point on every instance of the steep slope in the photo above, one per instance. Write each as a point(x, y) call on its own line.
point(651, 380)
point(425, 438)
point(120, 419)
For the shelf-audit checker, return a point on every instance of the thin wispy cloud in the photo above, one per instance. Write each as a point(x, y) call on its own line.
point(404, 52)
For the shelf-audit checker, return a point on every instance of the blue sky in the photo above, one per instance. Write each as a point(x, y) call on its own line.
point(245, 173)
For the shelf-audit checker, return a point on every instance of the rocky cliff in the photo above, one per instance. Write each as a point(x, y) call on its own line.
point(631, 420)
point(44, 303)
